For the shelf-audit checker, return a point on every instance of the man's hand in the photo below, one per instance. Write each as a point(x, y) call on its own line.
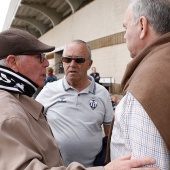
point(125, 163)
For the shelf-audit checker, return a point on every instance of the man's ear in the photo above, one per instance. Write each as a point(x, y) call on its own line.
point(11, 61)
point(90, 64)
point(143, 26)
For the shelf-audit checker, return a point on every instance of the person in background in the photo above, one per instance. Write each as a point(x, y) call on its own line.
point(60, 70)
point(95, 75)
point(142, 118)
point(115, 101)
point(50, 76)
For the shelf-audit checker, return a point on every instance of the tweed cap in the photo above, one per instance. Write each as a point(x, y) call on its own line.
point(15, 41)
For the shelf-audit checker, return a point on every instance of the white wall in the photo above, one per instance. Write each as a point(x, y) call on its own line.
point(98, 19)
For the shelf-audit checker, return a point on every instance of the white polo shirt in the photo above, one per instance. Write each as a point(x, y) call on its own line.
point(76, 118)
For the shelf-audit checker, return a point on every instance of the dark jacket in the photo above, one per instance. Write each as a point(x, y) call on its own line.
point(96, 76)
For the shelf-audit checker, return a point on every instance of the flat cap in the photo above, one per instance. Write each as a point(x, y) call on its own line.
point(15, 41)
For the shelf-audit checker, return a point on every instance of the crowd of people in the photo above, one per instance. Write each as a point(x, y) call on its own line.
point(63, 127)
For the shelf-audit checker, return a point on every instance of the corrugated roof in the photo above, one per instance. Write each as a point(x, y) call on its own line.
point(39, 16)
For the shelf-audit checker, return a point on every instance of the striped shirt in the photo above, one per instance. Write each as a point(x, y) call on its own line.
point(134, 132)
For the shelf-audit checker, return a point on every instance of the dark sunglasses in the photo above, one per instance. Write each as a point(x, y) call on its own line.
point(77, 60)
point(39, 55)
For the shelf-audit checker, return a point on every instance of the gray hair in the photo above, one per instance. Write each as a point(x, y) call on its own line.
point(156, 11)
point(81, 42)
point(3, 62)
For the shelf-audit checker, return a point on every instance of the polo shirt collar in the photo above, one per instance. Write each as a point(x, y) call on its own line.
point(90, 89)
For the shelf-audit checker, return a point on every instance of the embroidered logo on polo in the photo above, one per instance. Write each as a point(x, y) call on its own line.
point(61, 100)
point(93, 103)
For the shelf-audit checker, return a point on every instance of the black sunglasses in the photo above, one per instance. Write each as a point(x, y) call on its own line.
point(39, 55)
point(77, 60)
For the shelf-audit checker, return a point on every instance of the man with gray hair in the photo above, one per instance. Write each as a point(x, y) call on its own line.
point(80, 105)
point(142, 118)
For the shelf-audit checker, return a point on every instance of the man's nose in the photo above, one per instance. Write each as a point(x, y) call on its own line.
point(46, 62)
point(73, 62)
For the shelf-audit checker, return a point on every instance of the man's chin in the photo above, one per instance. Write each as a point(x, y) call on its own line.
point(41, 84)
point(71, 79)
point(132, 55)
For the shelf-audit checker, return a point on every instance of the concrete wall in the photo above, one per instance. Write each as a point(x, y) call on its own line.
point(96, 20)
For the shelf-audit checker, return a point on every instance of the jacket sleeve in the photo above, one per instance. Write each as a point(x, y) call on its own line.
point(19, 151)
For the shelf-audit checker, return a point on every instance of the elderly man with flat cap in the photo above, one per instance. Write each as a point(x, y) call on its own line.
point(26, 141)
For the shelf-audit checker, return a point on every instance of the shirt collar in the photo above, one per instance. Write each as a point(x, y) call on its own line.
point(90, 89)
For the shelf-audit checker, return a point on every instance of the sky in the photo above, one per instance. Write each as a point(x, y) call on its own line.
point(4, 5)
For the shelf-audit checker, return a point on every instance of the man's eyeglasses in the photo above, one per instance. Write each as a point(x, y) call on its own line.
point(39, 55)
point(77, 59)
